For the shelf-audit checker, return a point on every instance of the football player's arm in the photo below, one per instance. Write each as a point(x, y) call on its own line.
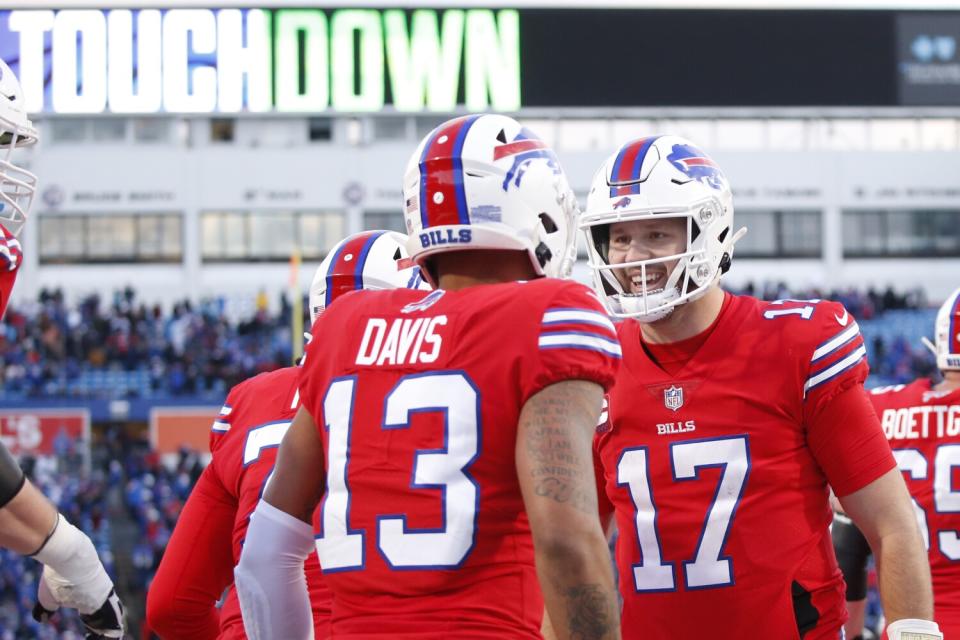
point(883, 512)
point(26, 516)
point(270, 579)
point(849, 445)
point(555, 469)
point(197, 564)
point(73, 575)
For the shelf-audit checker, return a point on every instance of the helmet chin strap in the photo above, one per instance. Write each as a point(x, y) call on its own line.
point(655, 316)
point(659, 302)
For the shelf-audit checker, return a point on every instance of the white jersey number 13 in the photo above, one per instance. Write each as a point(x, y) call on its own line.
point(450, 393)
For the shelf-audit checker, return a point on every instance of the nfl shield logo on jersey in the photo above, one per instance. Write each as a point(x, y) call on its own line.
point(673, 397)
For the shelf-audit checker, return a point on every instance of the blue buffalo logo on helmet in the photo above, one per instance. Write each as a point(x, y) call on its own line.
point(525, 148)
point(696, 165)
point(621, 203)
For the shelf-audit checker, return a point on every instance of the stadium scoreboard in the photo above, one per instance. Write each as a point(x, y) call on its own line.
point(359, 60)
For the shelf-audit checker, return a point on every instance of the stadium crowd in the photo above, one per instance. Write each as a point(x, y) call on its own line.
point(48, 346)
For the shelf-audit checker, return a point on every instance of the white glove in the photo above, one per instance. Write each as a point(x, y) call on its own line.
point(74, 577)
point(105, 621)
point(913, 629)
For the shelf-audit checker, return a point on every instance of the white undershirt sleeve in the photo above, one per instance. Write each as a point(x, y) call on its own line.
point(270, 581)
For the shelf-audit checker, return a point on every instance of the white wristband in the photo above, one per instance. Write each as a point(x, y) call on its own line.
point(913, 629)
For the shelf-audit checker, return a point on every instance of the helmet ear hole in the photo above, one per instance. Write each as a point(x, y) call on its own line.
point(725, 262)
point(548, 223)
point(543, 254)
point(601, 239)
point(396, 254)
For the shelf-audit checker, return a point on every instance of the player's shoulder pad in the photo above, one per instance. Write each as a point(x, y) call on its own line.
point(255, 393)
point(833, 325)
point(223, 422)
point(269, 378)
point(348, 299)
point(806, 320)
point(822, 334)
point(574, 318)
point(556, 291)
point(560, 298)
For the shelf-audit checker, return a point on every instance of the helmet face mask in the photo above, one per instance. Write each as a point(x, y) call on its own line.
point(17, 185)
point(17, 190)
point(486, 182)
point(653, 179)
point(370, 260)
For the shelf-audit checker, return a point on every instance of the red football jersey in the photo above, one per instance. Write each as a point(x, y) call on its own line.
point(424, 533)
point(11, 257)
point(244, 443)
point(719, 474)
point(923, 427)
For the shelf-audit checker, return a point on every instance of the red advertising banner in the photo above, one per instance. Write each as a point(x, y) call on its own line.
point(174, 427)
point(48, 432)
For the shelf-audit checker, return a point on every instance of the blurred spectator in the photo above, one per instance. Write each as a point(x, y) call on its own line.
point(47, 348)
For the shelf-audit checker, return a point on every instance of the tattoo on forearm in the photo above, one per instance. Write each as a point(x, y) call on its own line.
point(563, 492)
point(560, 471)
point(590, 616)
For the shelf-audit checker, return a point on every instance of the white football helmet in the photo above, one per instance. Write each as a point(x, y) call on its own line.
point(486, 182)
point(17, 185)
point(365, 260)
point(946, 344)
point(660, 177)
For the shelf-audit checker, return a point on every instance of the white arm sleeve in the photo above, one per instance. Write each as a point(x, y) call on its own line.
point(270, 581)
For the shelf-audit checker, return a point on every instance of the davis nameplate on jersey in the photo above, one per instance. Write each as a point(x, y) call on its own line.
point(673, 398)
